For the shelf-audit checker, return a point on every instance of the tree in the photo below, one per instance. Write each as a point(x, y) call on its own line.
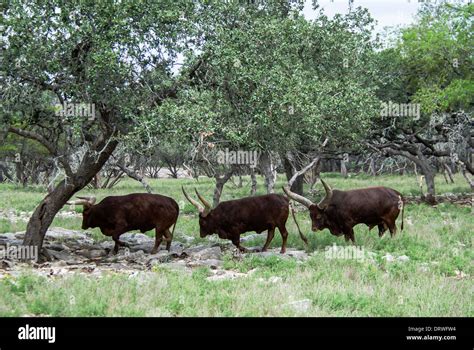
point(106, 62)
point(429, 71)
point(280, 85)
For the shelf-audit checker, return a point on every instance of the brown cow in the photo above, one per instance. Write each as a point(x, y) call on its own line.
point(116, 215)
point(231, 218)
point(340, 211)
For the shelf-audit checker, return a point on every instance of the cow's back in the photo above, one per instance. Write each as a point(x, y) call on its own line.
point(139, 211)
point(365, 205)
point(253, 213)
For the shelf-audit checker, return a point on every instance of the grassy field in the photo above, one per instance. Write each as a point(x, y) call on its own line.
point(435, 281)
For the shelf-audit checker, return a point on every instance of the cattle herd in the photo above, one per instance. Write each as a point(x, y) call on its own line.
point(338, 211)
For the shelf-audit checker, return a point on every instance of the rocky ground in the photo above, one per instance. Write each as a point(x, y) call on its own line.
point(76, 252)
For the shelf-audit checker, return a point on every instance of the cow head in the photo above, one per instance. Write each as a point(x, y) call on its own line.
point(206, 220)
point(88, 203)
point(317, 212)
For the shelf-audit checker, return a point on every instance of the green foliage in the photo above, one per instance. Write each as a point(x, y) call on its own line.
point(432, 62)
point(267, 77)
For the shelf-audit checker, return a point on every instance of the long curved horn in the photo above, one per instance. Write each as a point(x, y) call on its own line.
point(192, 201)
point(91, 200)
point(325, 201)
point(203, 200)
point(303, 200)
point(85, 201)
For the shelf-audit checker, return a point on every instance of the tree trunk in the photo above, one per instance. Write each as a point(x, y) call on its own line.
point(449, 172)
point(426, 169)
point(47, 209)
point(253, 177)
point(45, 212)
point(430, 185)
point(372, 167)
point(220, 182)
point(269, 173)
point(297, 185)
point(343, 169)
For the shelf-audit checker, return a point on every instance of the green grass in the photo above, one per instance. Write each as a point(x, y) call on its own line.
point(439, 238)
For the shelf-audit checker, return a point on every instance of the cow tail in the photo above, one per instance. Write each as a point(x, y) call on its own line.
point(302, 236)
point(174, 226)
point(177, 217)
point(402, 204)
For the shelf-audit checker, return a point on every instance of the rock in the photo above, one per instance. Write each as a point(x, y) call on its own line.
point(58, 233)
point(424, 267)
point(146, 247)
point(56, 246)
point(275, 279)
point(299, 305)
point(20, 235)
point(220, 275)
point(290, 254)
point(176, 249)
point(203, 253)
point(6, 264)
point(179, 265)
point(135, 238)
point(136, 257)
point(389, 257)
point(94, 253)
point(186, 238)
point(211, 263)
point(225, 275)
point(297, 254)
point(61, 255)
point(11, 242)
point(160, 257)
point(107, 245)
point(267, 254)
point(403, 258)
point(250, 237)
point(460, 274)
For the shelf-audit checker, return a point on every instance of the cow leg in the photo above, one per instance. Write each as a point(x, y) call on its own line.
point(392, 228)
point(284, 237)
point(158, 239)
point(169, 238)
point(349, 234)
point(270, 234)
point(236, 242)
point(382, 229)
point(117, 243)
